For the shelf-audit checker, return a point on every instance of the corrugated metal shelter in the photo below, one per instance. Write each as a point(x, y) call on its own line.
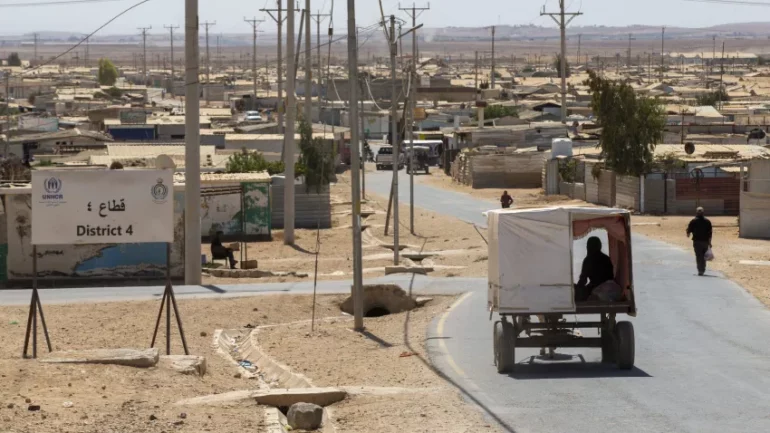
point(311, 207)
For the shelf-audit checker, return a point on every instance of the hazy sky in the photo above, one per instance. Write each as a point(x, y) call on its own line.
point(229, 14)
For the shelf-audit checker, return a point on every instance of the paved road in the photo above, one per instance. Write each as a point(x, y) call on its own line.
point(418, 284)
point(701, 352)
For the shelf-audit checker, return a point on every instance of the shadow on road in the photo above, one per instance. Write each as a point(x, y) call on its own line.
point(214, 288)
point(532, 368)
point(376, 339)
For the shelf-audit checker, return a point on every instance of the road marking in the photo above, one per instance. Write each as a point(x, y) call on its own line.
point(440, 332)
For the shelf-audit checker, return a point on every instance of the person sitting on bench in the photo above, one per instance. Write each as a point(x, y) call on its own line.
point(597, 269)
point(219, 251)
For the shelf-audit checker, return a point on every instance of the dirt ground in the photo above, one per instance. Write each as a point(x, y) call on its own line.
point(391, 353)
point(729, 249)
point(460, 249)
point(123, 399)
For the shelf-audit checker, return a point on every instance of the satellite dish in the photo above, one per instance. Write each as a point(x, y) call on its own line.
point(689, 148)
point(164, 162)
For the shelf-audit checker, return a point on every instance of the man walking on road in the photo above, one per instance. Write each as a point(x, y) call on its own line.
point(506, 200)
point(701, 231)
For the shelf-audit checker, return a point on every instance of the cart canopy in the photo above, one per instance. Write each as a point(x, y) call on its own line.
point(530, 255)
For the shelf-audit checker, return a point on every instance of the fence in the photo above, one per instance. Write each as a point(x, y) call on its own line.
point(754, 218)
point(309, 207)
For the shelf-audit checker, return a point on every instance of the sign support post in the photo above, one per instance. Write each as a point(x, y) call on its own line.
point(34, 307)
point(169, 301)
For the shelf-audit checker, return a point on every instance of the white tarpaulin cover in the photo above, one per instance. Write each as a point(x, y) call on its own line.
point(530, 257)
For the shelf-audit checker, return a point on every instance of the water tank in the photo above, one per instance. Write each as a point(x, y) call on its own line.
point(561, 147)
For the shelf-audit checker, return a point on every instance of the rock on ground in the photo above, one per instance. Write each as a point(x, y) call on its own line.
point(185, 364)
point(305, 416)
point(127, 357)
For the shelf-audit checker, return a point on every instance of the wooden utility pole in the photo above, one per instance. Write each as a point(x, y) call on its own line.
point(561, 20)
point(254, 24)
point(144, 52)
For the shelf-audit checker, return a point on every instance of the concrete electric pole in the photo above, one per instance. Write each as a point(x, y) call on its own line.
point(308, 112)
point(561, 20)
point(171, 38)
point(192, 191)
point(144, 52)
point(413, 13)
point(289, 140)
point(279, 18)
point(580, 41)
point(35, 58)
point(662, 50)
point(493, 78)
point(318, 18)
point(254, 24)
point(358, 283)
point(208, 60)
point(394, 133)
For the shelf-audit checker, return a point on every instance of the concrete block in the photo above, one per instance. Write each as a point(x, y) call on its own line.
point(128, 357)
point(185, 364)
point(287, 397)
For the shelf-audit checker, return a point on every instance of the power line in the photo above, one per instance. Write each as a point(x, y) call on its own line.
point(52, 3)
point(732, 2)
point(53, 59)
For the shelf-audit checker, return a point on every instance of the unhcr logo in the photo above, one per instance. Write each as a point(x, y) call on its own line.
point(52, 187)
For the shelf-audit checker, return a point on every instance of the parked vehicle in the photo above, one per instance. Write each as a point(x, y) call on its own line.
point(384, 159)
point(531, 274)
point(417, 158)
point(253, 116)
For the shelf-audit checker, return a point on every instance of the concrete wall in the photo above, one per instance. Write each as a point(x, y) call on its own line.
point(592, 184)
point(654, 196)
point(627, 192)
point(309, 207)
point(507, 171)
point(607, 188)
point(579, 190)
point(759, 176)
point(755, 215)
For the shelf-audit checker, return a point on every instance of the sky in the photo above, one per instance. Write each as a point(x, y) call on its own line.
point(229, 14)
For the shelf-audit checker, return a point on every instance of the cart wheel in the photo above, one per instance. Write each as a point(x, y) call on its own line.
point(624, 343)
point(504, 345)
point(608, 345)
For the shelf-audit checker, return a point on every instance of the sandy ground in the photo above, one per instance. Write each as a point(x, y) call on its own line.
point(122, 399)
point(729, 249)
point(391, 353)
point(460, 249)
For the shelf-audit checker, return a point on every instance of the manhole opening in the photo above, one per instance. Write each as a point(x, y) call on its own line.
point(284, 409)
point(377, 312)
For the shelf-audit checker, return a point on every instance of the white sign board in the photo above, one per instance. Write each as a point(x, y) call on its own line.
point(102, 206)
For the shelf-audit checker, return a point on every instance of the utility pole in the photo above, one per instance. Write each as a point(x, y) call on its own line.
point(394, 133)
point(580, 40)
point(493, 58)
point(721, 75)
point(714, 56)
point(192, 191)
point(35, 36)
point(7, 113)
point(562, 22)
point(279, 18)
point(144, 52)
point(476, 76)
point(254, 24)
point(289, 139)
point(88, 48)
point(308, 69)
point(630, 38)
point(414, 12)
point(662, 50)
point(357, 289)
point(207, 88)
point(171, 37)
point(318, 18)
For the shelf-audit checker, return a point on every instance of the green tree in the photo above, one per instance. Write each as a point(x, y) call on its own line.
point(498, 111)
point(712, 98)
point(557, 65)
point(14, 60)
point(108, 74)
point(252, 162)
point(316, 161)
point(631, 125)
